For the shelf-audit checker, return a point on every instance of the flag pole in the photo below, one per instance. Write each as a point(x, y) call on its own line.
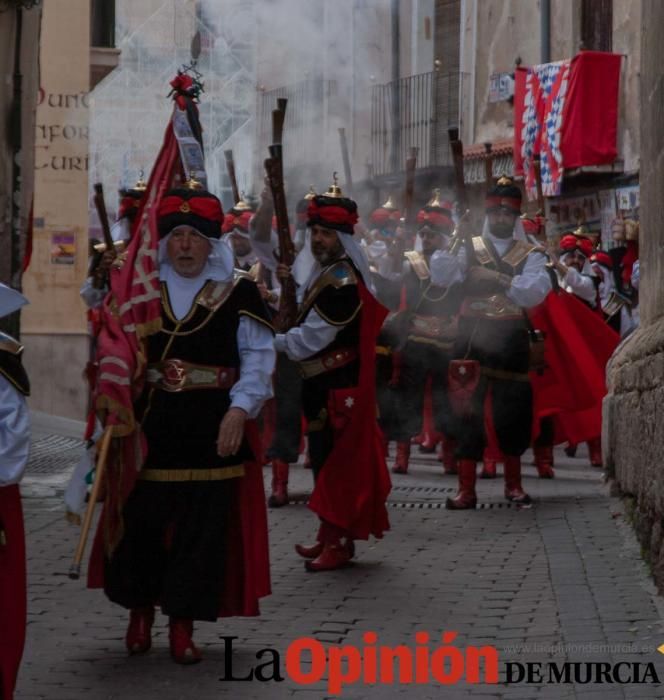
point(75, 568)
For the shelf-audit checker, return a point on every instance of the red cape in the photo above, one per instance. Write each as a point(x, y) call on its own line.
point(352, 487)
point(578, 346)
point(248, 575)
point(13, 596)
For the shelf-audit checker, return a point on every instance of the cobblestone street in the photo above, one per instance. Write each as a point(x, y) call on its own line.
point(560, 581)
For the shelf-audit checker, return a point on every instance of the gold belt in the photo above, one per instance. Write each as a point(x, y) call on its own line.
point(175, 375)
point(497, 306)
point(215, 474)
point(328, 362)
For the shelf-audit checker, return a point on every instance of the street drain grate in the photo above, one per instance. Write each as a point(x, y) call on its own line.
point(54, 454)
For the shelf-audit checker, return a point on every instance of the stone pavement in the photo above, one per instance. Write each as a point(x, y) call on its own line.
point(560, 581)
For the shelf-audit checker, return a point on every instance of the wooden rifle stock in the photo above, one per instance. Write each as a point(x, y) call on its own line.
point(100, 205)
point(462, 234)
point(408, 209)
point(230, 167)
point(287, 313)
point(346, 160)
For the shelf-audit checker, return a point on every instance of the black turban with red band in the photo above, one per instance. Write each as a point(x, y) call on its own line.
point(437, 218)
point(338, 213)
point(505, 195)
point(196, 208)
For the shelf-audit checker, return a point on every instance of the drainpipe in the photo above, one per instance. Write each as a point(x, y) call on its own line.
point(396, 65)
point(545, 31)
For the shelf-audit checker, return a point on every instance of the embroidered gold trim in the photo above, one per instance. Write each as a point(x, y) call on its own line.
point(481, 251)
point(179, 475)
point(328, 278)
point(418, 263)
point(264, 321)
point(338, 323)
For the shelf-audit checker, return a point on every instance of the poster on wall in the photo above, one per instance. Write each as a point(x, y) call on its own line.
point(568, 213)
point(63, 248)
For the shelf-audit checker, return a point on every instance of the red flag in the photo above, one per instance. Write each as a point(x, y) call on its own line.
point(132, 312)
point(590, 116)
point(566, 113)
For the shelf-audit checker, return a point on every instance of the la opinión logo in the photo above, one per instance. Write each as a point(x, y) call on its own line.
point(308, 661)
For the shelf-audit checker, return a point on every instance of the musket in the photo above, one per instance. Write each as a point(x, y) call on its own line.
point(408, 208)
point(461, 234)
point(75, 569)
point(278, 119)
point(230, 167)
point(346, 161)
point(274, 169)
point(100, 205)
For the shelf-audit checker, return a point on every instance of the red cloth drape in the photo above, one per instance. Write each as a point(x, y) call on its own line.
point(13, 596)
point(353, 485)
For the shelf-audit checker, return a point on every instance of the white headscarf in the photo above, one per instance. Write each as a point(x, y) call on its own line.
point(354, 251)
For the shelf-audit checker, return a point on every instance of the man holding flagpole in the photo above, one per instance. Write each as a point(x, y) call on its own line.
point(186, 355)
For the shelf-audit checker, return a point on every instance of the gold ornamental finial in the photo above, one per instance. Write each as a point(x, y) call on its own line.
point(242, 204)
point(582, 231)
point(311, 193)
point(192, 183)
point(334, 190)
point(389, 204)
point(435, 200)
point(505, 181)
point(140, 185)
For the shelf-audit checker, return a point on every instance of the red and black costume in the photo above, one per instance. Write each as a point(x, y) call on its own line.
point(334, 342)
point(429, 331)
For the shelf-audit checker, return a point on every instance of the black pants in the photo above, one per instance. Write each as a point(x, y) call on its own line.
point(172, 552)
point(387, 397)
point(315, 393)
point(502, 349)
point(288, 396)
point(421, 360)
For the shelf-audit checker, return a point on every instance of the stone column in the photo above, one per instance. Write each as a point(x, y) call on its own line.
point(634, 408)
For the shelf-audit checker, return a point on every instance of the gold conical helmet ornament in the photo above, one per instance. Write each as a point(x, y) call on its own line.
point(192, 183)
point(435, 200)
point(310, 194)
point(582, 231)
point(140, 185)
point(242, 204)
point(505, 181)
point(334, 190)
point(389, 204)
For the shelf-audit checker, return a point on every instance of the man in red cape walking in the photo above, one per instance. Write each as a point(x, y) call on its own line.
point(334, 342)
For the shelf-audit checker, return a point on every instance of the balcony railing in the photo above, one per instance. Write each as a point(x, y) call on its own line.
point(414, 112)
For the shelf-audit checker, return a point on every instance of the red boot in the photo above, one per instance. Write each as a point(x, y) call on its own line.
point(403, 456)
point(279, 495)
point(447, 447)
point(513, 490)
point(139, 633)
point(466, 498)
point(183, 649)
point(334, 554)
point(314, 550)
point(544, 461)
point(489, 465)
point(595, 450)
